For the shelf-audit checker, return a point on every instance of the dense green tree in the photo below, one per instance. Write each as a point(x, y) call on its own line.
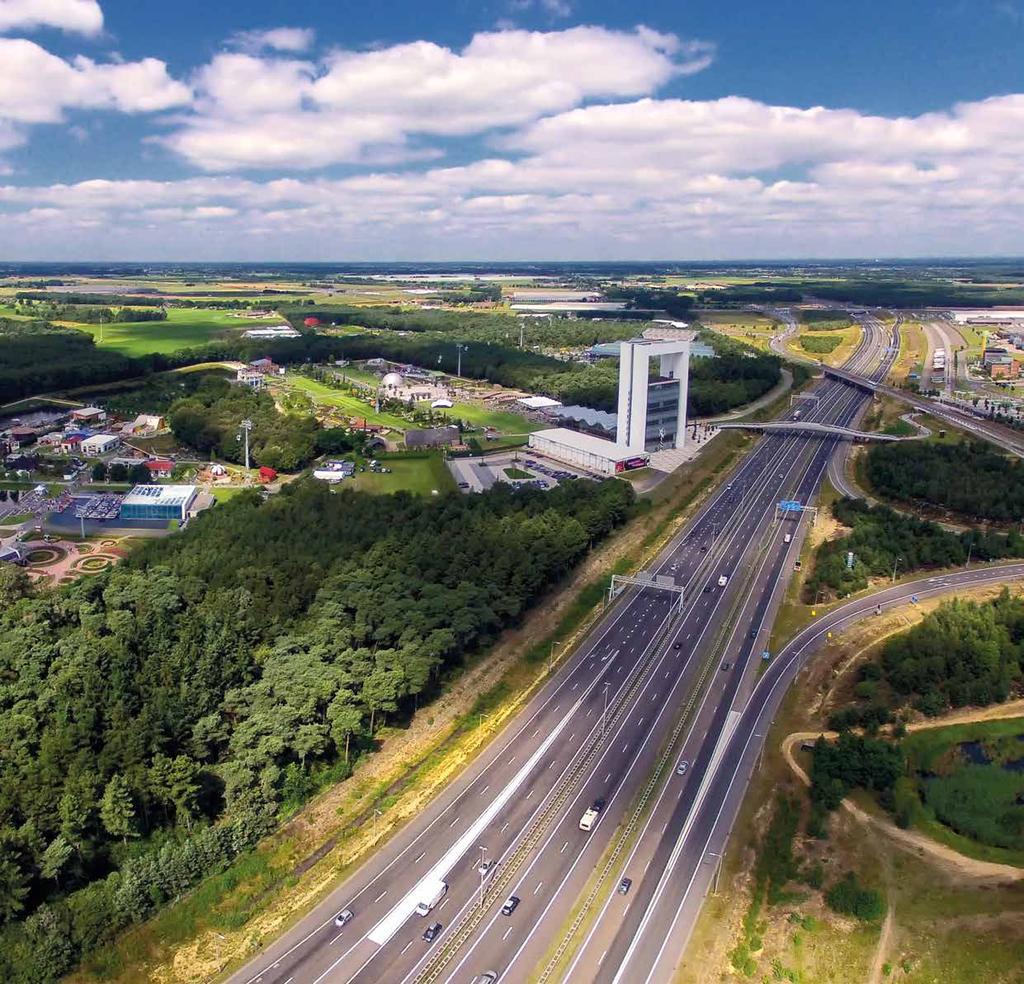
point(117, 811)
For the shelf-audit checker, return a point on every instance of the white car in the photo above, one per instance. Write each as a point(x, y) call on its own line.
point(343, 917)
point(722, 581)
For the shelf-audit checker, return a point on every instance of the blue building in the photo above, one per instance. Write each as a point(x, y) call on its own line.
point(158, 502)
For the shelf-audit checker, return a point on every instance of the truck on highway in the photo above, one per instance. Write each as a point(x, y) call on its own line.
point(589, 818)
point(437, 891)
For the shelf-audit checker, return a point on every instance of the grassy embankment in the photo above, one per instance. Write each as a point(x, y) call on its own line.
point(848, 340)
point(942, 926)
point(230, 915)
point(911, 356)
point(746, 326)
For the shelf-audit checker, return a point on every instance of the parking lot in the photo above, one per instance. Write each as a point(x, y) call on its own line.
point(518, 468)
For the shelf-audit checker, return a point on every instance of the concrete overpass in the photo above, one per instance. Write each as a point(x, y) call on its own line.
point(1003, 437)
point(813, 429)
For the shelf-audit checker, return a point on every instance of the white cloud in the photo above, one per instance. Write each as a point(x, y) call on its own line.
point(37, 87)
point(73, 16)
point(276, 113)
point(292, 40)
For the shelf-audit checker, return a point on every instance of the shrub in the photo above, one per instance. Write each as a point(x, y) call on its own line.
point(849, 898)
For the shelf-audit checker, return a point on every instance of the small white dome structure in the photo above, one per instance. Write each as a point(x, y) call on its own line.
point(392, 380)
point(442, 404)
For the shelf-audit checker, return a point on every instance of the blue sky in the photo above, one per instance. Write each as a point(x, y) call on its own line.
point(510, 129)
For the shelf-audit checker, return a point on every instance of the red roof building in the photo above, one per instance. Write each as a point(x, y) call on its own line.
point(312, 322)
point(160, 467)
point(267, 474)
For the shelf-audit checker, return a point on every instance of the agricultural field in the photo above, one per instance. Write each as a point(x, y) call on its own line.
point(184, 328)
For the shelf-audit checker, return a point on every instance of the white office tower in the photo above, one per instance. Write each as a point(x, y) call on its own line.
point(652, 406)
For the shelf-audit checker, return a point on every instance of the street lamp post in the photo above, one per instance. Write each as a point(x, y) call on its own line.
point(376, 815)
point(551, 654)
point(895, 564)
point(483, 872)
point(718, 870)
point(604, 714)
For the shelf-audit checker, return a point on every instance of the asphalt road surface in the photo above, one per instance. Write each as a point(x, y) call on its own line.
point(594, 732)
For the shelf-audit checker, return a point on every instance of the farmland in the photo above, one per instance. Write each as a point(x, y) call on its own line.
point(184, 328)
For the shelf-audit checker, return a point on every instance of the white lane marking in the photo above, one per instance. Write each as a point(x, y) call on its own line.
point(336, 938)
point(453, 823)
point(406, 947)
point(484, 790)
point(537, 732)
point(540, 885)
point(564, 846)
point(379, 897)
point(507, 931)
point(503, 826)
point(420, 858)
point(607, 778)
point(443, 904)
point(421, 892)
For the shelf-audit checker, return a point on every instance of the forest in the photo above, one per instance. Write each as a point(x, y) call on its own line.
point(208, 420)
point(35, 359)
point(154, 720)
point(970, 478)
point(883, 540)
point(92, 314)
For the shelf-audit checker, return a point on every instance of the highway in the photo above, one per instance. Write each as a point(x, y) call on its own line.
point(652, 671)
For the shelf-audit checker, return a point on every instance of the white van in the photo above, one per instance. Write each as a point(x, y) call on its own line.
point(437, 892)
point(788, 538)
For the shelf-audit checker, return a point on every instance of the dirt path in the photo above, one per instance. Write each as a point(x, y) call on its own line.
point(911, 840)
point(884, 942)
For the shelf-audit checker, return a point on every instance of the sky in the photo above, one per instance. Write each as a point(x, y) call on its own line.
point(510, 129)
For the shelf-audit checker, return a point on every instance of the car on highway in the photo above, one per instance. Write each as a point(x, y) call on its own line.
point(788, 538)
point(430, 933)
point(487, 977)
point(510, 906)
point(727, 665)
point(343, 917)
point(722, 580)
point(484, 866)
point(682, 767)
point(625, 885)
point(677, 645)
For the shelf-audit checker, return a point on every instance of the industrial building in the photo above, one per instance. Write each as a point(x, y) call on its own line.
point(158, 502)
point(593, 454)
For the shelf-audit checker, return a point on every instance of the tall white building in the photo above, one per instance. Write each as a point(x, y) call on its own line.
point(652, 406)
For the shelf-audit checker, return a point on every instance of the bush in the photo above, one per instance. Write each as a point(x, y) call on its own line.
point(849, 898)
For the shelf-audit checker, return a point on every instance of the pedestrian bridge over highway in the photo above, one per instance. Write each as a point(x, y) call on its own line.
point(813, 429)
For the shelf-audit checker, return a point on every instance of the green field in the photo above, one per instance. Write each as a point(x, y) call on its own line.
point(343, 401)
point(507, 423)
point(183, 328)
point(419, 474)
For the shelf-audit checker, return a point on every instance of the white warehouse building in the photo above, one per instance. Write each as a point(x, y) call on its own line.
point(593, 454)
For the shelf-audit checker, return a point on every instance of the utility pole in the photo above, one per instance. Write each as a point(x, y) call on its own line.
point(522, 325)
point(376, 815)
point(970, 547)
point(895, 563)
point(551, 654)
point(246, 426)
point(458, 368)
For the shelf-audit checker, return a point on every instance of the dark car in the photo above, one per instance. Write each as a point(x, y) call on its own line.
point(510, 905)
point(625, 885)
point(430, 933)
point(727, 665)
point(599, 804)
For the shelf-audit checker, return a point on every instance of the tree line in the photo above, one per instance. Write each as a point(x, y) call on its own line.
point(883, 541)
point(969, 478)
point(153, 719)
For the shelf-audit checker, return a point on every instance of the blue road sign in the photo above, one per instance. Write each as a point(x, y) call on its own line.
point(766, 655)
point(790, 505)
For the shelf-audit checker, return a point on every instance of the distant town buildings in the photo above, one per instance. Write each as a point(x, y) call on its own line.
point(272, 332)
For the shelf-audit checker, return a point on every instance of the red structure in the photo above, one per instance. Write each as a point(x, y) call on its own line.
point(312, 322)
point(160, 467)
point(267, 474)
